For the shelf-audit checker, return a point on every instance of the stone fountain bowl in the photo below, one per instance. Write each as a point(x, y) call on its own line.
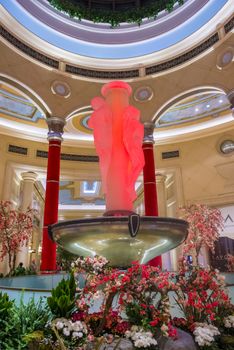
point(113, 238)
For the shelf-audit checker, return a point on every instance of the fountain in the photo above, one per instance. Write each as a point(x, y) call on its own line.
point(121, 235)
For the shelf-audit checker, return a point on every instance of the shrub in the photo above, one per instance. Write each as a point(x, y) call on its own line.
point(62, 300)
point(24, 320)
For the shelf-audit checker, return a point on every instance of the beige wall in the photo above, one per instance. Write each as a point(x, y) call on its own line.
point(31, 162)
point(207, 175)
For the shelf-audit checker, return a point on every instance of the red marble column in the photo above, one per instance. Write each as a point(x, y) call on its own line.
point(150, 189)
point(48, 255)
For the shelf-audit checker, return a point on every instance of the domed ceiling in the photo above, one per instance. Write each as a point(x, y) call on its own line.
point(59, 35)
point(31, 29)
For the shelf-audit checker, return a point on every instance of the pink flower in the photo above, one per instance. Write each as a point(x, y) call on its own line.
point(90, 338)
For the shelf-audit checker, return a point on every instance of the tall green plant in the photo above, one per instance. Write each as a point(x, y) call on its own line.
point(24, 320)
point(62, 299)
point(5, 310)
point(5, 306)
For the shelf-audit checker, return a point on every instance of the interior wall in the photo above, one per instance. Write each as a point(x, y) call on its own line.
point(207, 175)
point(200, 173)
point(32, 162)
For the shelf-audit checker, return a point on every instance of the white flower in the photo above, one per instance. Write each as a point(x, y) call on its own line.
point(229, 322)
point(204, 334)
point(77, 326)
point(77, 335)
point(69, 325)
point(59, 325)
point(140, 338)
point(66, 332)
point(139, 343)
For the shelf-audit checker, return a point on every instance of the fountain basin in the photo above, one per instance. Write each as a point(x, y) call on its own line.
point(110, 237)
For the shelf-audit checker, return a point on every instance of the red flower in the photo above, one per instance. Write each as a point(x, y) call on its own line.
point(154, 322)
point(172, 332)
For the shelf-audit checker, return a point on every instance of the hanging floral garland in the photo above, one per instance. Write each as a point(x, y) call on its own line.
point(135, 15)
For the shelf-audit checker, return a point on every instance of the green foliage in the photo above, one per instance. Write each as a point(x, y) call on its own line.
point(23, 320)
point(224, 342)
point(33, 339)
point(134, 315)
point(5, 309)
point(21, 271)
point(62, 300)
point(135, 15)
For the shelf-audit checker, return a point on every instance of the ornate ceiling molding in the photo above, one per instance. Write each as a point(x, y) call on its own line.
point(87, 66)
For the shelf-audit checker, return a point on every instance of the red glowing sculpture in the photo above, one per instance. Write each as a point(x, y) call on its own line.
point(118, 136)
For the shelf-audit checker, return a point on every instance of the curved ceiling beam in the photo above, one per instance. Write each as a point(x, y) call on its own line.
point(26, 92)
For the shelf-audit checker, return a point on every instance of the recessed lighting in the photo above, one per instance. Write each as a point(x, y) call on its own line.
point(227, 146)
point(207, 106)
point(220, 101)
point(196, 109)
point(143, 94)
point(61, 88)
point(225, 58)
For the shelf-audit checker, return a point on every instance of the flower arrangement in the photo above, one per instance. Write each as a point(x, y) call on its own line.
point(205, 334)
point(202, 296)
point(141, 294)
point(205, 224)
point(134, 306)
point(15, 231)
point(140, 338)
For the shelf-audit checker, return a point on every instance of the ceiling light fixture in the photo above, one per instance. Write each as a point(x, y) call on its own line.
point(143, 94)
point(227, 146)
point(60, 88)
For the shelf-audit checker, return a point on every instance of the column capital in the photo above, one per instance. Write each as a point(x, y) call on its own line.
point(148, 133)
point(29, 176)
point(55, 125)
point(230, 96)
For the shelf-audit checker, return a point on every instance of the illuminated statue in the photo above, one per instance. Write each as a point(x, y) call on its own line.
point(118, 137)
